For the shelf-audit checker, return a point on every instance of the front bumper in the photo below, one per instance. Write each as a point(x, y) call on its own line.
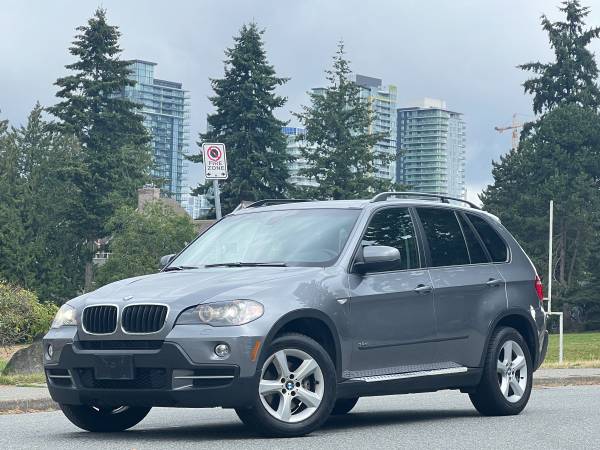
point(162, 376)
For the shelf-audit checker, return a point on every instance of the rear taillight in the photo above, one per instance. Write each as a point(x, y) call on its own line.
point(539, 288)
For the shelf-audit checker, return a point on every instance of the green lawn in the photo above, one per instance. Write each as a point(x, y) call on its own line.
point(580, 350)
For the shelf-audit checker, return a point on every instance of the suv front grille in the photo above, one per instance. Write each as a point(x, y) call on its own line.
point(101, 319)
point(143, 318)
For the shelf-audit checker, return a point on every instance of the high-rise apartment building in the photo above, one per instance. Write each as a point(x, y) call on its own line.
point(431, 148)
point(165, 107)
point(382, 102)
point(294, 142)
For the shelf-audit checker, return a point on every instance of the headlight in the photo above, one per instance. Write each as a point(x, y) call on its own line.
point(222, 314)
point(64, 317)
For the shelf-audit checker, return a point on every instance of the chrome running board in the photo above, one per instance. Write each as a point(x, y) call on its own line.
point(400, 376)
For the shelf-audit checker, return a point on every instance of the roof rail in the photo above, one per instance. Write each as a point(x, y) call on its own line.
point(443, 198)
point(276, 201)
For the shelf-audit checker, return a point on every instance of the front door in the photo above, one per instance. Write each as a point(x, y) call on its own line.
point(392, 318)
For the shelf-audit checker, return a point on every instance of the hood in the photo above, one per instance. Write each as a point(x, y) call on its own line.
point(201, 284)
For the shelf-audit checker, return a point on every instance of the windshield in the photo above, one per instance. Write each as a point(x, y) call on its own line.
point(301, 237)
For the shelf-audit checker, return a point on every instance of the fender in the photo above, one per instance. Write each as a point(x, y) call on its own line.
point(306, 313)
point(532, 328)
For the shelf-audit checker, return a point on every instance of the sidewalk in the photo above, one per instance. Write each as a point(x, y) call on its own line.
point(22, 399)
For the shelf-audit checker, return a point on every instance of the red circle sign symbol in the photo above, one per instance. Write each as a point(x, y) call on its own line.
point(214, 153)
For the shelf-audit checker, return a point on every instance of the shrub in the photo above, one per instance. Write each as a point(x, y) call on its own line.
point(22, 316)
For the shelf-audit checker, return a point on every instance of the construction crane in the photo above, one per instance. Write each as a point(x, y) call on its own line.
point(515, 130)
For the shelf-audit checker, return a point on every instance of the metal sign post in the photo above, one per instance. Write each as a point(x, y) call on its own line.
point(215, 168)
point(549, 298)
point(217, 199)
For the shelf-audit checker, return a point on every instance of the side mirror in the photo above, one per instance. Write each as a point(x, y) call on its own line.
point(165, 260)
point(376, 258)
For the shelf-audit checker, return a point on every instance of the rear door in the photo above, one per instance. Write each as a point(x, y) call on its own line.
point(468, 289)
point(392, 318)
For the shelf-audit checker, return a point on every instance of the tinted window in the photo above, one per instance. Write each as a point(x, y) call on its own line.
point(393, 227)
point(490, 238)
point(476, 251)
point(446, 242)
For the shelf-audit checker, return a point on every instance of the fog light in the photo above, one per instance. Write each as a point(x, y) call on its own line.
point(50, 351)
point(222, 350)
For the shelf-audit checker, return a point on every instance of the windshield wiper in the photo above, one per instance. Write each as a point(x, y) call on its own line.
point(172, 268)
point(248, 264)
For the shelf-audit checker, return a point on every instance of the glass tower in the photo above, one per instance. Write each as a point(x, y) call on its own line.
point(382, 102)
point(295, 141)
point(431, 149)
point(165, 107)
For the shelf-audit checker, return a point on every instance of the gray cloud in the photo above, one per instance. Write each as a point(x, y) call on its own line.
point(462, 51)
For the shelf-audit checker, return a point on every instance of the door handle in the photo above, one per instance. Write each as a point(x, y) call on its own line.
point(423, 289)
point(492, 282)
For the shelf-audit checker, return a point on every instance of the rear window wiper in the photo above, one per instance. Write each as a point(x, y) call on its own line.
point(172, 268)
point(248, 264)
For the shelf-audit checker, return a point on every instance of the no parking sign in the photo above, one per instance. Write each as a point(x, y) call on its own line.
point(215, 161)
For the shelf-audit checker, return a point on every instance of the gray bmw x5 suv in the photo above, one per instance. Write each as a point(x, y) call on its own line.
point(291, 311)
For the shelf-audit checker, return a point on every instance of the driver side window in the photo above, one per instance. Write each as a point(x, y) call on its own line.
point(393, 227)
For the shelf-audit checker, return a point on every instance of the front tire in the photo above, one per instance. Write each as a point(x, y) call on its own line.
point(104, 420)
point(505, 385)
point(295, 390)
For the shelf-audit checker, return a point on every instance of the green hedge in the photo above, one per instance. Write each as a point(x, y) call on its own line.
point(22, 316)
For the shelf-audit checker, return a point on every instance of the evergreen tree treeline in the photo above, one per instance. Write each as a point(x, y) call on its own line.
point(558, 159)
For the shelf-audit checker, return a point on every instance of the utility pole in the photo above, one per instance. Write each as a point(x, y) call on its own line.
point(549, 298)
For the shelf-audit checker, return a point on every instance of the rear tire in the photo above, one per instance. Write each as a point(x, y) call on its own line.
point(344, 406)
point(103, 420)
point(505, 385)
point(296, 399)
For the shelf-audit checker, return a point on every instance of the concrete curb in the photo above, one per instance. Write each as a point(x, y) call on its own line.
point(26, 400)
point(26, 405)
point(565, 381)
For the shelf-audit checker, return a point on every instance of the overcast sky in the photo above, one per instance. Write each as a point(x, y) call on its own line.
point(464, 52)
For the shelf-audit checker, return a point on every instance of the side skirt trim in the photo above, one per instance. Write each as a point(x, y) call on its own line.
point(399, 376)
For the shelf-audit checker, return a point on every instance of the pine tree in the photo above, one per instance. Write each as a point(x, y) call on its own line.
point(245, 100)
point(339, 144)
point(571, 78)
point(40, 207)
point(114, 141)
point(12, 231)
point(558, 159)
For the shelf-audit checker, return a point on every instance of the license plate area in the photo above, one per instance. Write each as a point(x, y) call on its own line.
point(114, 368)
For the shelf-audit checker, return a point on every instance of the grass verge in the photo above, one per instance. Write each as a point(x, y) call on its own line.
point(19, 380)
point(580, 350)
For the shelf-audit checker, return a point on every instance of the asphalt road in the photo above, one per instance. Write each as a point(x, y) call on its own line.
point(561, 417)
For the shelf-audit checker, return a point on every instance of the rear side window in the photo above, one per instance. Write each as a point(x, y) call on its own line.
point(393, 227)
point(476, 251)
point(446, 242)
point(494, 243)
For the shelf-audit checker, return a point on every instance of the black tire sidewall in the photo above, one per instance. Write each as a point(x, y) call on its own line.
point(87, 418)
point(269, 425)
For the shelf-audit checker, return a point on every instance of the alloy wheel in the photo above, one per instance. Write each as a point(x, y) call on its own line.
point(291, 385)
point(511, 368)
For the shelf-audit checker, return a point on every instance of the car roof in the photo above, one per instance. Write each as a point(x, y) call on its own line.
point(359, 204)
